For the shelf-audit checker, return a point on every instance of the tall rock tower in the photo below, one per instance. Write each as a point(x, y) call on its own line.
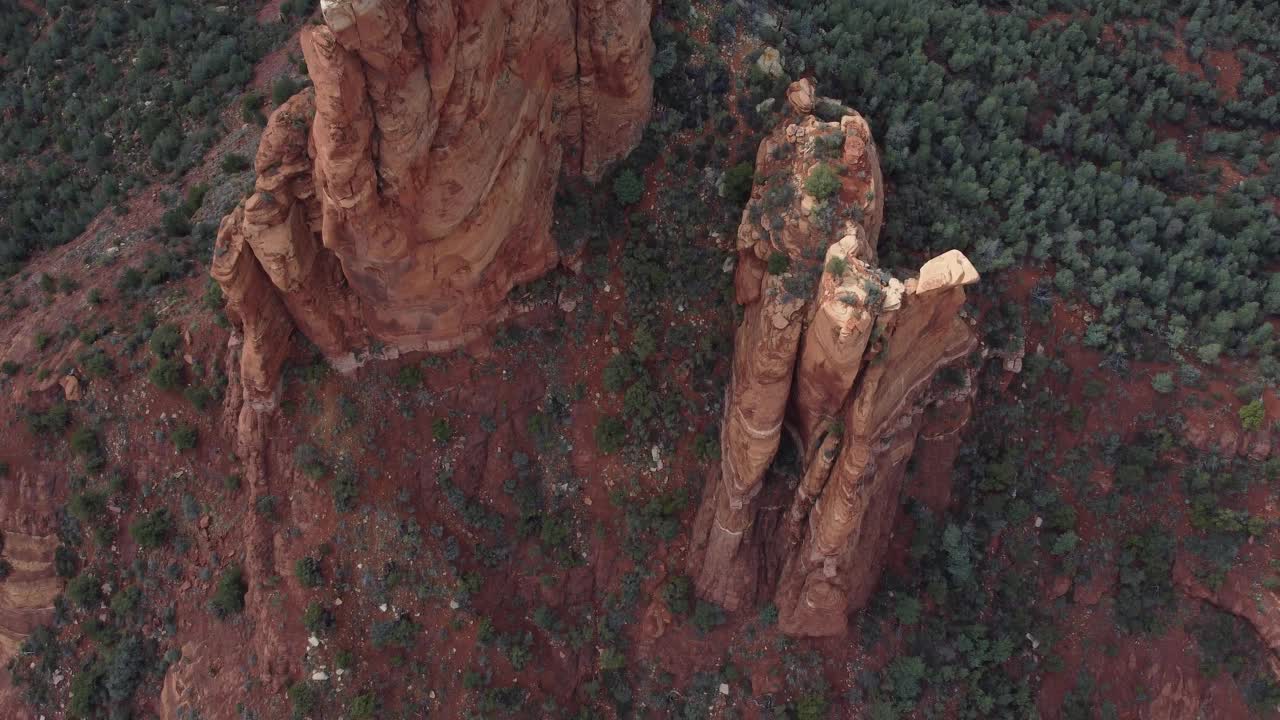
point(835, 351)
point(400, 199)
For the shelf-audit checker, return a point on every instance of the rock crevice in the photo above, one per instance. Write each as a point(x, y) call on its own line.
point(840, 354)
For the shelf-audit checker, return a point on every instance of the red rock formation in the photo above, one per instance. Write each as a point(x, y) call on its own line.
point(400, 200)
point(1243, 594)
point(27, 594)
point(845, 367)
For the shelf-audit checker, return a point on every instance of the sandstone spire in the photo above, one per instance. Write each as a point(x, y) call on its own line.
point(838, 353)
point(400, 199)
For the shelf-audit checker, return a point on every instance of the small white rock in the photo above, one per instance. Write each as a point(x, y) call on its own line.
point(313, 641)
point(383, 607)
point(724, 688)
point(453, 605)
point(1039, 521)
point(319, 676)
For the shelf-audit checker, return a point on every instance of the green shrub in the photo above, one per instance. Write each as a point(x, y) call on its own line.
point(823, 182)
point(409, 377)
point(1145, 591)
point(309, 460)
point(97, 363)
point(907, 610)
point(441, 430)
point(904, 678)
point(1162, 383)
point(51, 421)
point(363, 707)
point(296, 8)
point(1208, 354)
point(235, 162)
point(228, 597)
point(65, 561)
point(89, 507)
point(304, 699)
point(166, 374)
point(707, 617)
point(126, 601)
point(621, 370)
point(283, 89)
point(265, 506)
point(317, 619)
point(344, 659)
point(779, 263)
point(165, 341)
point(184, 437)
point(345, 490)
point(251, 108)
point(308, 571)
point(610, 434)
point(676, 593)
point(738, 181)
point(399, 632)
point(628, 187)
point(152, 529)
point(812, 706)
point(84, 441)
point(1253, 415)
point(84, 590)
point(199, 396)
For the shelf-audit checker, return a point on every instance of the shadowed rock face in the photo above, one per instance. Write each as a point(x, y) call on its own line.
point(837, 352)
point(399, 200)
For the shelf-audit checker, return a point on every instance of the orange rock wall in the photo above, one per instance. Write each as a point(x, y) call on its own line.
point(837, 352)
point(400, 200)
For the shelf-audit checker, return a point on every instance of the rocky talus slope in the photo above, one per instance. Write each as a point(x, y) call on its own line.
point(400, 199)
point(837, 352)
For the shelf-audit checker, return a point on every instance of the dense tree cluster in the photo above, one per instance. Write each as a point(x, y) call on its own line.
point(98, 98)
point(1017, 137)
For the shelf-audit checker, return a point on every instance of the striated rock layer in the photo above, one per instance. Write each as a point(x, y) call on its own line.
point(400, 199)
point(27, 595)
point(843, 356)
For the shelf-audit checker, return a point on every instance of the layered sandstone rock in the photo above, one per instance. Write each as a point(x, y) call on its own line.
point(840, 354)
point(400, 200)
point(27, 594)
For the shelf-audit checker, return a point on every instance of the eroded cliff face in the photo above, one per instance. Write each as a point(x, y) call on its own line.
point(28, 591)
point(400, 199)
point(837, 352)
